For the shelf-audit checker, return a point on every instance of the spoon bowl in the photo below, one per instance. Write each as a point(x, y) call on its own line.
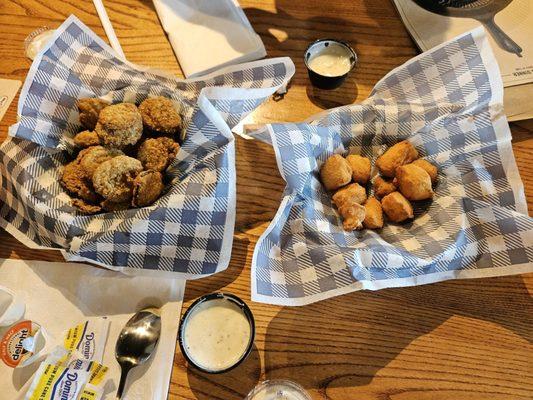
point(137, 342)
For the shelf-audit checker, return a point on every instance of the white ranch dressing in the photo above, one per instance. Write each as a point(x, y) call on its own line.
point(217, 334)
point(278, 390)
point(330, 61)
point(38, 43)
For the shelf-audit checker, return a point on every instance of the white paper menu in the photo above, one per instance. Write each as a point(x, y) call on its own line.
point(516, 20)
point(8, 90)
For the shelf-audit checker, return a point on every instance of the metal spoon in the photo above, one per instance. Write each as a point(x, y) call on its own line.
point(137, 342)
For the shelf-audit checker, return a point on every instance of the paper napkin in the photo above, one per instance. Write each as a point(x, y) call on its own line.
point(59, 296)
point(208, 34)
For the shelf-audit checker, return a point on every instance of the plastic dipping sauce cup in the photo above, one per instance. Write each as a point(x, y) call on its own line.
point(278, 389)
point(217, 332)
point(328, 62)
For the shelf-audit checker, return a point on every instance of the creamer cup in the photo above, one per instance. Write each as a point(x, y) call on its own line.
point(23, 344)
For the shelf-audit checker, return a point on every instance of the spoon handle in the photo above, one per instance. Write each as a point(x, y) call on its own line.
point(123, 375)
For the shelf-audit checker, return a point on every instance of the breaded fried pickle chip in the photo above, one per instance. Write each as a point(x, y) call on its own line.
point(147, 188)
point(159, 115)
point(89, 109)
point(86, 139)
point(76, 183)
point(85, 207)
point(91, 158)
point(113, 179)
point(119, 125)
point(111, 206)
point(157, 153)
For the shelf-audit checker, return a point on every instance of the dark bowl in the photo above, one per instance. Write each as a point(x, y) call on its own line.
point(324, 81)
point(216, 296)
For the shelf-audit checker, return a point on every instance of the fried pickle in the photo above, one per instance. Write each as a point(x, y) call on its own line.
point(74, 180)
point(86, 139)
point(89, 110)
point(157, 153)
point(147, 188)
point(113, 179)
point(111, 206)
point(119, 125)
point(91, 158)
point(159, 115)
point(85, 207)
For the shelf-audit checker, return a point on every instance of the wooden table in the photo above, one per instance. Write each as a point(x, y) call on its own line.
point(457, 340)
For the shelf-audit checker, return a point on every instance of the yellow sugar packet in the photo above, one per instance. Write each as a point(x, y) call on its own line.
point(54, 382)
point(72, 378)
point(73, 360)
point(88, 338)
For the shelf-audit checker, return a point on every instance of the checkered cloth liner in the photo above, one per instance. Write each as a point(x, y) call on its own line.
point(189, 230)
point(448, 103)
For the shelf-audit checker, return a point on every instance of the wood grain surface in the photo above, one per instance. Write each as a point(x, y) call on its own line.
point(457, 340)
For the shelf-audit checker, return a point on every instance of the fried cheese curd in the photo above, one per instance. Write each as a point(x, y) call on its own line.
point(414, 182)
point(335, 172)
point(360, 168)
point(428, 167)
point(373, 214)
point(404, 177)
point(383, 187)
point(400, 154)
point(348, 201)
point(397, 207)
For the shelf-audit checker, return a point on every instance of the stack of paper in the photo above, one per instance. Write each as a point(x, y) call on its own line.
point(430, 29)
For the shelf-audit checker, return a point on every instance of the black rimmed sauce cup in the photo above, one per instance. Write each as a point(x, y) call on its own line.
point(322, 78)
point(195, 307)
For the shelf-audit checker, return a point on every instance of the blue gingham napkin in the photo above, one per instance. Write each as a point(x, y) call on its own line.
point(448, 103)
point(189, 230)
